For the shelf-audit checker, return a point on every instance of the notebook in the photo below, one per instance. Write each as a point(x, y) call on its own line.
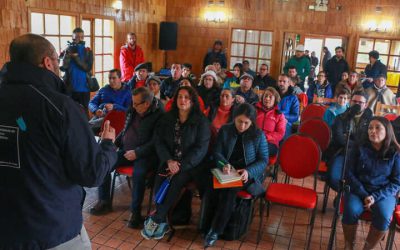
point(226, 178)
point(218, 185)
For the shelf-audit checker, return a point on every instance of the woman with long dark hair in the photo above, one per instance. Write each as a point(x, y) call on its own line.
point(242, 145)
point(181, 140)
point(373, 178)
point(208, 88)
point(234, 82)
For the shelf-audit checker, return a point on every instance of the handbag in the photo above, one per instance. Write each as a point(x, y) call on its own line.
point(92, 83)
point(162, 191)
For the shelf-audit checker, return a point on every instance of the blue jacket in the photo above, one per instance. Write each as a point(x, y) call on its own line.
point(121, 98)
point(211, 56)
point(369, 174)
point(41, 191)
point(255, 149)
point(290, 107)
point(333, 111)
point(319, 90)
point(377, 69)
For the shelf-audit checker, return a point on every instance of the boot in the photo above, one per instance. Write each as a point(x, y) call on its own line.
point(373, 238)
point(350, 232)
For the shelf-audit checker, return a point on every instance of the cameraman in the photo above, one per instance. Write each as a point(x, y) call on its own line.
point(77, 61)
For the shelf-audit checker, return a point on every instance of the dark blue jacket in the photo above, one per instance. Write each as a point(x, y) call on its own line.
point(41, 191)
point(250, 97)
point(376, 70)
point(211, 56)
point(168, 87)
point(369, 174)
point(290, 107)
point(334, 69)
point(255, 149)
point(319, 90)
point(121, 98)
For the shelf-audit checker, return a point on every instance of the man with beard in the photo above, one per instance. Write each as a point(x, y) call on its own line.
point(130, 56)
point(289, 104)
point(336, 66)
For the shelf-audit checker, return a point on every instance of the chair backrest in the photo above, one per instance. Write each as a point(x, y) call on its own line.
point(322, 100)
point(303, 100)
point(383, 109)
point(313, 110)
point(299, 156)
point(117, 120)
point(318, 130)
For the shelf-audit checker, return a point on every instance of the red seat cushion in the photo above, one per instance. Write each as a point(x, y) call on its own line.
point(272, 160)
point(244, 195)
point(291, 195)
point(125, 170)
point(397, 214)
point(323, 167)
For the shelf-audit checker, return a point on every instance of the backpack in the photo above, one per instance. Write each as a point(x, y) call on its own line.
point(237, 224)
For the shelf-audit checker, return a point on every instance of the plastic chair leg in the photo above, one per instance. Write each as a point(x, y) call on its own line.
point(260, 225)
point(114, 176)
point(314, 212)
point(326, 196)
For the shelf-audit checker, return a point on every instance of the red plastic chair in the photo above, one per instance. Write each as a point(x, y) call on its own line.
point(117, 120)
point(299, 157)
point(320, 131)
point(313, 110)
point(391, 116)
point(303, 100)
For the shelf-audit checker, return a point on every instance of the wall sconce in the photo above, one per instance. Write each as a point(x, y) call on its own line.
point(117, 5)
point(381, 27)
point(215, 16)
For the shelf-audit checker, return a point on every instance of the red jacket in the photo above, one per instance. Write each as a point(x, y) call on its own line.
point(272, 123)
point(128, 60)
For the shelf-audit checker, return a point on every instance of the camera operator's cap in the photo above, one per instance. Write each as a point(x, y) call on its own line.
point(144, 65)
point(300, 47)
point(153, 78)
point(246, 75)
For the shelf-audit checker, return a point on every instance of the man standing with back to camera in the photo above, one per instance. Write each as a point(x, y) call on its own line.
point(47, 153)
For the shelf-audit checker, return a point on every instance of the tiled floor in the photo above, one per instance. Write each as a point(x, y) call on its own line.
point(285, 228)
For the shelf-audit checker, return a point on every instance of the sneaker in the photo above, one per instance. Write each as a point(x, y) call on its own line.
point(162, 229)
point(101, 207)
point(135, 221)
point(149, 228)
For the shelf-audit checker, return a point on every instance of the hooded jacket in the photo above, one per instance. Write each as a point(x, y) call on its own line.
point(272, 123)
point(41, 188)
point(290, 107)
point(128, 60)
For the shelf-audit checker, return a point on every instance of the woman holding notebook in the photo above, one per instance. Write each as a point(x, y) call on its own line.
point(241, 146)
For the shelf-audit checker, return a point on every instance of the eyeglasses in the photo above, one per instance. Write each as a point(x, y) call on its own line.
point(357, 102)
point(112, 77)
point(137, 104)
point(320, 75)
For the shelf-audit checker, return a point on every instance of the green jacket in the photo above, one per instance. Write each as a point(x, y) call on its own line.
point(302, 65)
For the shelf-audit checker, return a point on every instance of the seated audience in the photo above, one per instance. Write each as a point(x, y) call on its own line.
point(270, 119)
point(345, 76)
point(208, 88)
point(187, 71)
point(298, 82)
point(171, 84)
point(374, 69)
point(114, 96)
point(379, 92)
point(187, 82)
point(221, 113)
point(135, 148)
point(246, 68)
point(181, 140)
point(289, 104)
point(352, 84)
point(319, 89)
point(359, 124)
point(341, 105)
point(243, 146)
point(263, 80)
point(153, 83)
point(141, 74)
point(221, 73)
point(245, 93)
point(373, 178)
point(234, 82)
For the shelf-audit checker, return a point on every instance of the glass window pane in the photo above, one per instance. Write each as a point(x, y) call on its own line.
point(395, 50)
point(362, 60)
point(267, 62)
point(252, 64)
point(98, 45)
point(265, 52)
point(88, 42)
point(266, 37)
point(383, 59)
point(37, 23)
point(235, 60)
point(51, 24)
point(251, 50)
point(105, 79)
point(67, 25)
point(108, 28)
point(237, 49)
point(382, 46)
point(86, 26)
point(108, 63)
point(108, 45)
point(98, 27)
point(365, 45)
point(98, 63)
point(55, 41)
point(99, 77)
point(63, 42)
point(252, 36)
point(238, 35)
point(394, 63)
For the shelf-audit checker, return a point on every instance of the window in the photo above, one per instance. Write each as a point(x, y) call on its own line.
point(56, 28)
point(99, 33)
point(389, 54)
point(252, 45)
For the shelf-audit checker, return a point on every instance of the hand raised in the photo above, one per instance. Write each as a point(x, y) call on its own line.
point(108, 131)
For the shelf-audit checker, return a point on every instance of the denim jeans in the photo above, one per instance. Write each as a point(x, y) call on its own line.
point(80, 242)
point(335, 172)
point(381, 210)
